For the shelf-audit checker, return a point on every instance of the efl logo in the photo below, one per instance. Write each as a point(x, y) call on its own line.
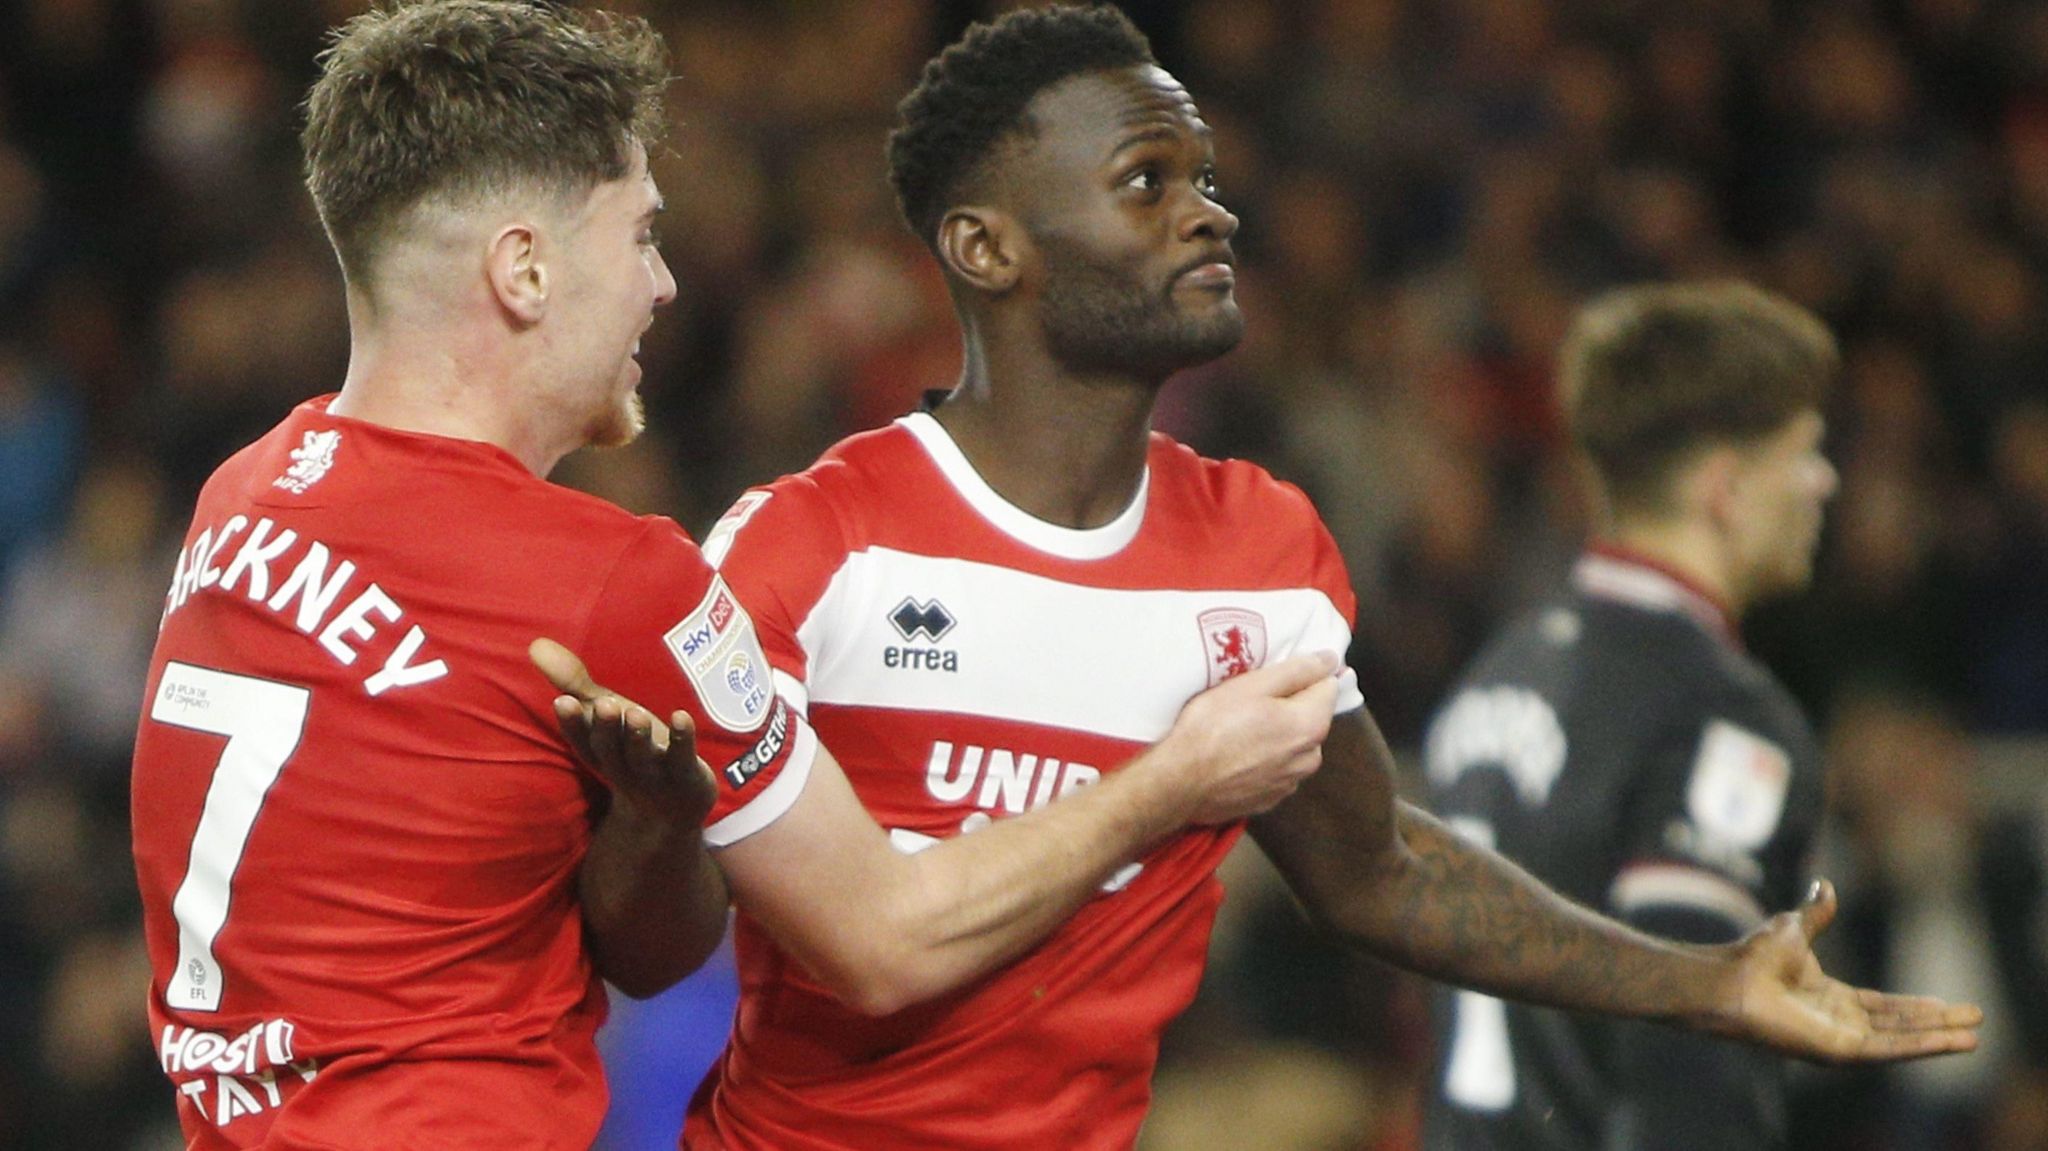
point(1738, 787)
point(1235, 640)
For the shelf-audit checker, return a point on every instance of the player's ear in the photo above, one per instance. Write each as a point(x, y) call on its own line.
point(983, 247)
point(518, 273)
point(1714, 483)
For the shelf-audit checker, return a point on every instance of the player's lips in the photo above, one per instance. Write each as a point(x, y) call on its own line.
point(1210, 271)
point(1209, 276)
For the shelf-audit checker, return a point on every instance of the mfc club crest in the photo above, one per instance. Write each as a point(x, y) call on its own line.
point(310, 461)
point(1234, 639)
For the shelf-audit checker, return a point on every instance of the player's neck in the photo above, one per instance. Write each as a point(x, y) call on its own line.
point(1070, 451)
point(430, 388)
point(1690, 550)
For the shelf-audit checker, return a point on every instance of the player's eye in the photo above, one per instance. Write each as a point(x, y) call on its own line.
point(1207, 183)
point(1145, 179)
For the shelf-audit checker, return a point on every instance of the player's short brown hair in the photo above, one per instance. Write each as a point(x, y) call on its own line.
point(1649, 375)
point(462, 99)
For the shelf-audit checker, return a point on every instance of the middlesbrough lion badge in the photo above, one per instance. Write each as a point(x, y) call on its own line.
point(1235, 640)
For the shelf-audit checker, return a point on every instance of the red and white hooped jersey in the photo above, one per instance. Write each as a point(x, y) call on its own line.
point(965, 662)
point(356, 827)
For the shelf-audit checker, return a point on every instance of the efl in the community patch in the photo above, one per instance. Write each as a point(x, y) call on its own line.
point(720, 653)
point(1739, 780)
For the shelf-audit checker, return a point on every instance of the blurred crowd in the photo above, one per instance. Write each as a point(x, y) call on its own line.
point(1428, 188)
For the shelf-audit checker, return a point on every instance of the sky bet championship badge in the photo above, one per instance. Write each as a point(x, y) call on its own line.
point(718, 650)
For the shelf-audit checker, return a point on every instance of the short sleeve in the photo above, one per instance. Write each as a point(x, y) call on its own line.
point(1329, 626)
point(669, 632)
point(778, 548)
point(1711, 798)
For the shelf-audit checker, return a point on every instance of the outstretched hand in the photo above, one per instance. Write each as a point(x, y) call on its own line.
point(1784, 1001)
point(652, 764)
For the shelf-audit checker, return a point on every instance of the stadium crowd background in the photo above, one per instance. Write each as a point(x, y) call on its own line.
point(1427, 186)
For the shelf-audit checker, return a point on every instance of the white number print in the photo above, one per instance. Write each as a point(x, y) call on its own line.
point(263, 722)
point(1480, 1073)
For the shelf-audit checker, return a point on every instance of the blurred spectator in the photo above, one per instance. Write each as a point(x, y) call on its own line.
point(2010, 671)
point(80, 613)
point(42, 440)
point(1943, 899)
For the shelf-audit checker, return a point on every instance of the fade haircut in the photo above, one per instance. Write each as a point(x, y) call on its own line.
point(974, 94)
point(1650, 375)
point(460, 100)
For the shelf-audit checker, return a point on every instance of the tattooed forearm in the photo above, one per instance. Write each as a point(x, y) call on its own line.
point(1391, 880)
point(1461, 913)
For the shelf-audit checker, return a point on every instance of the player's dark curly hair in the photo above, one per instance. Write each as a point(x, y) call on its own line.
point(974, 93)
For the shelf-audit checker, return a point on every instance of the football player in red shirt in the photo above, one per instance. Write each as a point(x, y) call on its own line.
point(378, 889)
point(967, 585)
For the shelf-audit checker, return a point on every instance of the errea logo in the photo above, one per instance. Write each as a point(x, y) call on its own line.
point(921, 620)
point(914, 617)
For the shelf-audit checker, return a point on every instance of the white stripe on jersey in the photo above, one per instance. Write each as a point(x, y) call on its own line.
point(779, 796)
point(793, 690)
point(1646, 885)
point(1143, 657)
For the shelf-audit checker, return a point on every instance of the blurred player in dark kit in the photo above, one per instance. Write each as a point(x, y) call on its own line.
point(1619, 743)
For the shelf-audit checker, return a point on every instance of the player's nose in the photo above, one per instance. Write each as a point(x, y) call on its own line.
point(1207, 219)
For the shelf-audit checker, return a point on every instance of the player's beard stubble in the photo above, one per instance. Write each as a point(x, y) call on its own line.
point(620, 424)
point(1099, 320)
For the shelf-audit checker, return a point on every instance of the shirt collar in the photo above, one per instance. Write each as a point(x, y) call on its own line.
point(1610, 571)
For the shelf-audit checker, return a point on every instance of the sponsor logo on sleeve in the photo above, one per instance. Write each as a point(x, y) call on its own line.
point(719, 652)
point(1235, 640)
point(1739, 782)
point(741, 771)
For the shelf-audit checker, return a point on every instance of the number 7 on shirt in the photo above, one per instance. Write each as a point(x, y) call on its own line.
point(263, 722)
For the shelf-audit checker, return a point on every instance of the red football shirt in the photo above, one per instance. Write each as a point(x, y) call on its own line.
point(357, 830)
point(966, 662)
